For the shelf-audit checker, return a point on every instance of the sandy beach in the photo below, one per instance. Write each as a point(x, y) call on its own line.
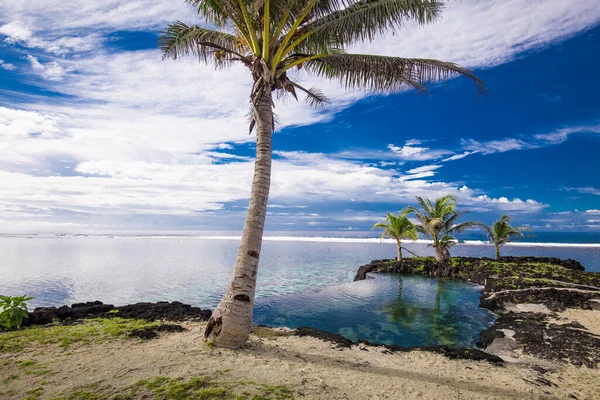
point(310, 368)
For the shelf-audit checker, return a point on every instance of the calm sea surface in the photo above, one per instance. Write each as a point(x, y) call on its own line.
point(299, 282)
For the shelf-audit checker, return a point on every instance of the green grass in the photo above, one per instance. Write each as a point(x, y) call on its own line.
point(88, 331)
point(196, 388)
point(34, 394)
point(10, 378)
point(31, 367)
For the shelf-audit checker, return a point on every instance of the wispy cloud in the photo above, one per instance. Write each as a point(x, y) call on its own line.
point(585, 190)
point(411, 152)
point(133, 135)
point(561, 135)
point(51, 71)
point(548, 98)
point(526, 142)
point(7, 66)
point(495, 146)
point(460, 156)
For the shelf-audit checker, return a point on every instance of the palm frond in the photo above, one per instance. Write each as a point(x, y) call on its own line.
point(314, 97)
point(215, 12)
point(373, 73)
point(364, 20)
point(180, 40)
point(463, 226)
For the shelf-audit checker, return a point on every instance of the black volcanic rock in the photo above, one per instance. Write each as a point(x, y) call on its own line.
point(539, 337)
point(163, 310)
point(334, 338)
point(175, 311)
point(557, 284)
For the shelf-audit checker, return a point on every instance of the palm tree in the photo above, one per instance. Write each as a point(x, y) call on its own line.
point(272, 38)
point(439, 220)
point(398, 227)
point(501, 232)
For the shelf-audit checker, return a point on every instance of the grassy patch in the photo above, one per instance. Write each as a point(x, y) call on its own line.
point(278, 392)
point(90, 330)
point(197, 388)
point(31, 367)
point(34, 394)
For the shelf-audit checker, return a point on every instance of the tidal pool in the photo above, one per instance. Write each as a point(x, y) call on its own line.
point(386, 309)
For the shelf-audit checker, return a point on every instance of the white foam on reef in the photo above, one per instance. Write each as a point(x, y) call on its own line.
point(533, 244)
point(312, 239)
point(322, 239)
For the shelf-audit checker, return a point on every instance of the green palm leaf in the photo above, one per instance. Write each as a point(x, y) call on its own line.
point(180, 40)
point(364, 20)
point(386, 74)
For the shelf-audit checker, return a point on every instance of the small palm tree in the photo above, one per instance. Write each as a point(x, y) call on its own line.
point(273, 38)
point(439, 220)
point(501, 232)
point(398, 227)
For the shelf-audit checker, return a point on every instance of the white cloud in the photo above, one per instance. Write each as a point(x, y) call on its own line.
point(425, 171)
point(585, 190)
point(7, 66)
point(485, 33)
point(410, 152)
point(504, 204)
point(137, 135)
point(51, 71)
point(495, 146)
point(460, 156)
point(425, 168)
point(561, 135)
point(17, 33)
point(593, 212)
point(531, 142)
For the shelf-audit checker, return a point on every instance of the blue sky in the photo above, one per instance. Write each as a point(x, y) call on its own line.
point(97, 133)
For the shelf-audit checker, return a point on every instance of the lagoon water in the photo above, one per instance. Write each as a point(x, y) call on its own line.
point(306, 281)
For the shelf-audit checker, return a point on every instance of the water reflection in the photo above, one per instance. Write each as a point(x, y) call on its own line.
point(441, 322)
point(389, 309)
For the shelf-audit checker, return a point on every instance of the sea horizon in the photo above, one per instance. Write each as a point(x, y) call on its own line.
point(533, 239)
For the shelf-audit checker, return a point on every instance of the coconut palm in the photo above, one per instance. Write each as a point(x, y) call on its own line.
point(398, 227)
point(272, 38)
point(439, 220)
point(501, 232)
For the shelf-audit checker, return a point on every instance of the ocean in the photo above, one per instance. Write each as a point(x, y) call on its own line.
point(297, 276)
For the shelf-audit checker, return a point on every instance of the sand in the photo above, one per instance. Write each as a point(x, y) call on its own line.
point(311, 368)
point(588, 318)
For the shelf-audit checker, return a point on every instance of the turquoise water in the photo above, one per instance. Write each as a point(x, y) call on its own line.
point(386, 309)
point(298, 281)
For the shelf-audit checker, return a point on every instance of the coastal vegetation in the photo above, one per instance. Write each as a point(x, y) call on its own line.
point(13, 310)
point(398, 227)
point(439, 221)
point(502, 232)
point(272, 38)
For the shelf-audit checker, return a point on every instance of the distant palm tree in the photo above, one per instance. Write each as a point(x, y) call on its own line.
point(398, 227)
point(501, 232)
point(272, 38)
point(439, 220)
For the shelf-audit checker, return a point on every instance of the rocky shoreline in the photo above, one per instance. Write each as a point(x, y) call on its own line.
point(527, 294)
point(160, 311)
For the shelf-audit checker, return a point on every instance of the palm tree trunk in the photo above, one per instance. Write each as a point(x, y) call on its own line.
point(399, 258)
point(497, 252)
point(439, 255)
point(231, 322)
